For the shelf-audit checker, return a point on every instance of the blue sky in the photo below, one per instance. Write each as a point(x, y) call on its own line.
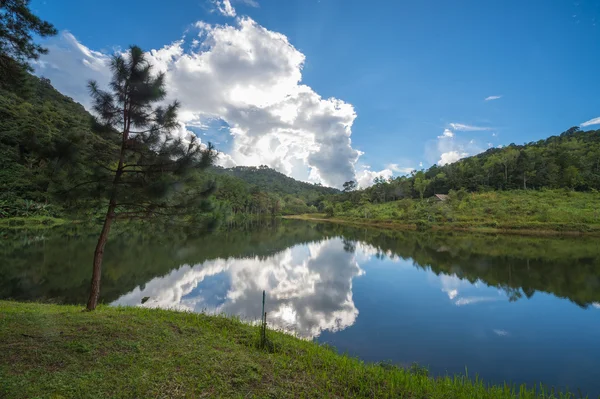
point(410, 69)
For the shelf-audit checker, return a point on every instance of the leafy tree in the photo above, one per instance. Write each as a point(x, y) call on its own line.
point(572, 177)
point(349, 186)
point(507, 159)
point(421, 183)
point(152, 167)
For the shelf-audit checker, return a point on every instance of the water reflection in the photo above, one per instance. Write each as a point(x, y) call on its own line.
point(309, 287)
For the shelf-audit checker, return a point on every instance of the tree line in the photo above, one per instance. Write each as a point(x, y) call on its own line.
point(570, 160)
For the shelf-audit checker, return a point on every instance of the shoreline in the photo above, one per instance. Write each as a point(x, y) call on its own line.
point(392, 225)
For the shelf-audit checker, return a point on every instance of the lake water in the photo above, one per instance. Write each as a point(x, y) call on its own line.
point(515, 309)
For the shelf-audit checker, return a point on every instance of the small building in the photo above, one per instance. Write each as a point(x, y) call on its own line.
point(441, 197)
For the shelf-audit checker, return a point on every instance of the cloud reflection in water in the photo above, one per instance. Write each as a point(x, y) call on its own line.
point(309, 287)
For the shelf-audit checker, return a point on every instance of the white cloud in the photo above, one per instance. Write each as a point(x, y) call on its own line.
point(225, 7)
point(501, 333)
point(447, 133)
point(494, 134)
point(491, 98)
point(451, 157)
point(365, 177)
point(449, 148)
point(595, 121)
point(420, 164)
point(247, 76)
point(399, 169)
point(467, 128)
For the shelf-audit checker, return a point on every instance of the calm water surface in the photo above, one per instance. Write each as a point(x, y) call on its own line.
point(516, 309)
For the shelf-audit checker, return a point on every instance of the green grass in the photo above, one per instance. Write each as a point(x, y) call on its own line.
point(57, 351)
point(544, 210)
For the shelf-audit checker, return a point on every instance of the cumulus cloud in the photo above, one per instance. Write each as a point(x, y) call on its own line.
point(451, 157)
point(467, 128)
point(250, 78)
point(491, 98)
point(447, 133)
point(449, 148)
point(366, 177)
point(595, 121)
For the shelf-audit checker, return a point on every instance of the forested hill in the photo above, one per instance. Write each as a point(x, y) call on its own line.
point(270, 180)
point(45, 139)
point(261, 190)
point(570, 160)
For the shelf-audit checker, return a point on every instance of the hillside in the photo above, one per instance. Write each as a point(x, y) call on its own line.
point(270, 180)
point(262, 190)
point(570, 160)
point(47, 141)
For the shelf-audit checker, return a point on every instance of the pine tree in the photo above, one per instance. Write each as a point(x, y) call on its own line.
point(154, 172)
point(17, 24)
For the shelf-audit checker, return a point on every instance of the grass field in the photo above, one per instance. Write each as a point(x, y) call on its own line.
point(56, 351)
point(511, 211)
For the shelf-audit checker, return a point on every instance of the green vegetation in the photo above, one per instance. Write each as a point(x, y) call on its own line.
point(570, 160)
point(517, 210)
point(18, 25)
point(60, 351)
point(551, 184)
point(261, 190)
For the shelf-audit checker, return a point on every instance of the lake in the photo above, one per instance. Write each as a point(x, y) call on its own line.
point(508, 308)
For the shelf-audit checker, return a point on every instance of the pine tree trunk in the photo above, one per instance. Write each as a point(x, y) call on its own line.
point(98, 256)
point(108, 220)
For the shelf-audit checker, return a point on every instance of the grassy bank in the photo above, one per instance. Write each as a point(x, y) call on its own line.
point(61, 352)
point(533, 212)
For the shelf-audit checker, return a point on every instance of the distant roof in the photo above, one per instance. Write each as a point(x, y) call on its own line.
point(441, 197)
